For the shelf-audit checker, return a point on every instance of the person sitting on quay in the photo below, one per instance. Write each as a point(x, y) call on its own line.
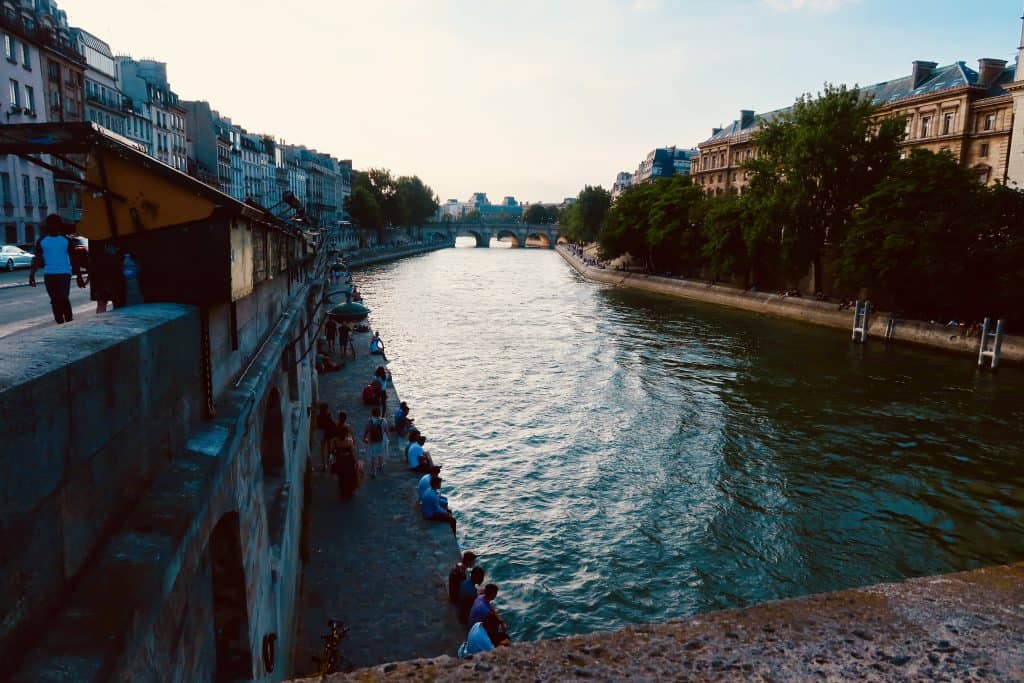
point(413, 435)
point(482, 607)
point(434, 506)
point(377, 346)
point(458, 574)
point(419, 459)
point(402, 420)
point(469, 591)
point(479, 639)
point(324, 364)
point(373, 436)
point(424, 482)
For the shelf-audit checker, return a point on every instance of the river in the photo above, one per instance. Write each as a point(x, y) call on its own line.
point(618, 457)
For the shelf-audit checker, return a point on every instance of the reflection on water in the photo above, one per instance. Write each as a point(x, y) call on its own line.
point(619, 458)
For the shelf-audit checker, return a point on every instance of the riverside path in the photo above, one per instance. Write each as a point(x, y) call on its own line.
point(374, 563)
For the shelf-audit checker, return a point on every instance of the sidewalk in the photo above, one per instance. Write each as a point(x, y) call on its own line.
point(374, 563)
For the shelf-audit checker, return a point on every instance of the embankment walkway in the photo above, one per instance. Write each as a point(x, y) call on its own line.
point(374, 563)
point(795, 308)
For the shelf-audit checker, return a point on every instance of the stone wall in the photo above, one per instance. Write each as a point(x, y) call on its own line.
point(89, 419)
point(204, 568)
point(796, 308)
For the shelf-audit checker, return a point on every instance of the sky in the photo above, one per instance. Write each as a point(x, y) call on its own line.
point(531, 98)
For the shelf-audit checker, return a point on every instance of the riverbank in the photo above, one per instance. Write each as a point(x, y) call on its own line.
point(367, 257)
point(374, 563)
point(955, 627)
point(795, 308)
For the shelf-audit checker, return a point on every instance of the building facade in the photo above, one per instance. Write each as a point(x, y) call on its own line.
point(104, 101)
point(623, 181)
point(954, 108)
point(663, 162)
point(144, 82)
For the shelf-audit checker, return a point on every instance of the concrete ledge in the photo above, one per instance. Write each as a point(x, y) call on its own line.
point(795, 308)
point(956, 627)
point(370, 258)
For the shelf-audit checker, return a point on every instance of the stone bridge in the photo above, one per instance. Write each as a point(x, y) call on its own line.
point(547, 234)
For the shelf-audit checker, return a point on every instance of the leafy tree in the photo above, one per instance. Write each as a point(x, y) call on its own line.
point(726, 225)
point(470, 217)
point(674, 236)
point(535, 213)
point(625, 226)
point(997, 260)
point(815, 164)
point(416, 201)
point(909, 246)
point(583, 219)
point(364, 209)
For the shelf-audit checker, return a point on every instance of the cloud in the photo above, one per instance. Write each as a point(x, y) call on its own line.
point(644, 5)
point(809, 5)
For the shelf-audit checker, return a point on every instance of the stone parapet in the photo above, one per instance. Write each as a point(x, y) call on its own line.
point(796, 308)
point(955, 627)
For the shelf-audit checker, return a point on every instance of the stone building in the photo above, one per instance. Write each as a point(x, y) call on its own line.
point(145, 83)
point(664, 162)
point(104, 101)
point(623, 181)
point(952, 108)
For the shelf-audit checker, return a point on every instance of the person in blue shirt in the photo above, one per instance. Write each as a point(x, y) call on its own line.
point(482, 605)
point(434, 507)
point(402, 420)
point(469, 591)
point(477, 641)
point(424, 484)
point(419, 459)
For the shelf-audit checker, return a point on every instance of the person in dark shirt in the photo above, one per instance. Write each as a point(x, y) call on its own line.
point(469, 591)
point(458, 573)
point(327, 429)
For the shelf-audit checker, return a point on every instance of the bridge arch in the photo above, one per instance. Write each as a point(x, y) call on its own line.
point(230, 606)
point(562, 239)
point(538, 240)
point(482, 238)
point(503, 235)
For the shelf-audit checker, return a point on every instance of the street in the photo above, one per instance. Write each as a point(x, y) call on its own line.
point(25, 307)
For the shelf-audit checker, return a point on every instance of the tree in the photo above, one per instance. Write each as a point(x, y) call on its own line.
point(584, 218)
point(364, 209)
point(535, 213)
point(911, 242)
point(726, 225)
point(815, 164)
point(674, 236)
point(416, 201)
point(625, 226)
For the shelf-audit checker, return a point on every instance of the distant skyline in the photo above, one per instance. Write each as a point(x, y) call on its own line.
point(533, 99)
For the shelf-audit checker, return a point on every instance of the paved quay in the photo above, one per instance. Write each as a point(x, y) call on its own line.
point(374, 563)
point(967, 626)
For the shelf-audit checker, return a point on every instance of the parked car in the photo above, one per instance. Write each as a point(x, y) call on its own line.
point(12, 257)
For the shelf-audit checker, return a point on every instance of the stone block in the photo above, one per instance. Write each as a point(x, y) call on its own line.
point(35, 439)
point(105, 392)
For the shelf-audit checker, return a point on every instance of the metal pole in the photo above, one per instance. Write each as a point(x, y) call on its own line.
point(984, 339)
point(998, 344)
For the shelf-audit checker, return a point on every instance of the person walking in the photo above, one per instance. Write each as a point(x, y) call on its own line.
point(54, 256)
point(345, 340)
point(331, 328)
point(373, 436)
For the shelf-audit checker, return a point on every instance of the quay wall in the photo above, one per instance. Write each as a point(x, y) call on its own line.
point(796, 308)
point(953, 627)
point(194, 574)
point(372, 256)
point(91, 412)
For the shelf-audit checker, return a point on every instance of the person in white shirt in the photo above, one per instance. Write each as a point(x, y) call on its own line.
point(53, 255)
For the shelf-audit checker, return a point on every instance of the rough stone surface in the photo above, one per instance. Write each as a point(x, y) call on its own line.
point(957, 627)
point(806, 310)
point(375, 563)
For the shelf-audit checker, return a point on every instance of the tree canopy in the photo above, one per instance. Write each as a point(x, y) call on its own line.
point(379, 199)
point(583, 218)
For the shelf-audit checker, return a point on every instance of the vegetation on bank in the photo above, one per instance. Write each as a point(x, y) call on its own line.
point(829, 195)
point(379, 199)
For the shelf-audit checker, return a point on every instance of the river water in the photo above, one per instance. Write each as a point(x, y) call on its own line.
point(618, 457)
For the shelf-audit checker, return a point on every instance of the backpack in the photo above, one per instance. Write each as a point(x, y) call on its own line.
point(376, 431)
point(370, 394)
point(455, 579)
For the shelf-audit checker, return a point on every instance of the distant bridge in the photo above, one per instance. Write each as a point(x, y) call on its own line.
point(547, 234)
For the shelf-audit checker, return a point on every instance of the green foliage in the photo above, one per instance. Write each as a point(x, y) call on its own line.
point(814, 165)
point(582, 220)
point(726, 225)
point(535, 213)
point(378, 200)
point(674, 235)
point(363, 207)
point(470, 217)
point(625, 226)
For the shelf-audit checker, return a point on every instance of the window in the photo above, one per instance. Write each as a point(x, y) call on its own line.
point(5, 188)
point(26, 189)
point(53, 68)
point(30, 98)
point(9, 47)
point(926, 126)
point(41, 192)
point(11, 234)
point(15, 93)
point(990, 122)
point(947, 124)
point(984, 149)
point(983, 176)
point(30, 233)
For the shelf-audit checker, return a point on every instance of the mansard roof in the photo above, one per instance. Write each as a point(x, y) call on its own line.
point(889, 92)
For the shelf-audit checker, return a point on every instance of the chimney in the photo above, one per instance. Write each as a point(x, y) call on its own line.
point(989, 70)
point(746, 118)
point(922, 72)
